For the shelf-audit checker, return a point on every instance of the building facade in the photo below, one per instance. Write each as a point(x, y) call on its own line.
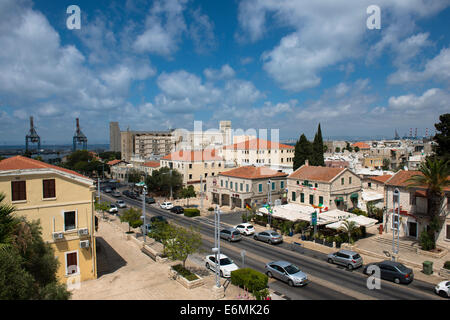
point(63, 201)
point(114, 137)
point(248, 185)
point(335, 188)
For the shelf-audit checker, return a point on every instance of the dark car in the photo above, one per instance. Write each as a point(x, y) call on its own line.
point(126, 193)
point(133, 195)
point(149, 200)
point(177, 210)
point(393, 271)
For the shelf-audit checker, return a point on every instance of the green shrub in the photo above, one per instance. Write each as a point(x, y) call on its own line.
point(210, 209)
point(261, 294)
point(191, 212)
point(251, 279)
point(184, 272)
point(426, 242)
point(447, 265)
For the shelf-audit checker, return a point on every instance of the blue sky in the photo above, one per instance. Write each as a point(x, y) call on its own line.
point(263, 64)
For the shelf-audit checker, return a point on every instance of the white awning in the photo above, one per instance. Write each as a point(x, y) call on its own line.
point(361, 221)
point(371, 196)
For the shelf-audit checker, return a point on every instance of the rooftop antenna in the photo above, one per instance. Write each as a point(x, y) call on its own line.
point(79, 138)
point(32, 136)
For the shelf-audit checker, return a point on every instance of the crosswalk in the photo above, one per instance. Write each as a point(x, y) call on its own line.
point(211, 222)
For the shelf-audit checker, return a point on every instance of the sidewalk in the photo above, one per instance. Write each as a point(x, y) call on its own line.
point(125, 273)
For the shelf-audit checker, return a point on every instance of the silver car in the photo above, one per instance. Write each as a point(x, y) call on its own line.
point(269, 236)
point(349, 259)
point(230, 234)
point(287, 272)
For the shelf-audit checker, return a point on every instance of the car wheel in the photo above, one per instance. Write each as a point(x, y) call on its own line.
point(269, 274)
point(350, 267)
point(290, 283)
point(397, 280)
point(443, 294)
point(269, 241)
point(255, 237)
point(330, 260)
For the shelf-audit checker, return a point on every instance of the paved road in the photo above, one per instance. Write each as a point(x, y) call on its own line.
point(327, 281)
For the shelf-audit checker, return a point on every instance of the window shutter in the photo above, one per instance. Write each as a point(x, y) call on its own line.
point(18, 190)
point(49, 188)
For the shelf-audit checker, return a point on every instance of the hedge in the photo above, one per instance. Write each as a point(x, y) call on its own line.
point(191, 212)
point(184, 272)
point(251, 279)
point(447, 265)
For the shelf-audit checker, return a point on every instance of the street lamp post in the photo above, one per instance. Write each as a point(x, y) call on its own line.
point(201, 192)
point(216, 249)
point(144, 231)
point(395, 223)
point(269, 200)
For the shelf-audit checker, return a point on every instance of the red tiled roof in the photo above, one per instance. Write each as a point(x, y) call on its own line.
point(316, 173)
point(252, 172)
point(24, 163)
point(113, 162)
point(400, 179)
point(204, 155)
point(361, 145)
point(153, 164)
point(258, 144)
point(381, 179)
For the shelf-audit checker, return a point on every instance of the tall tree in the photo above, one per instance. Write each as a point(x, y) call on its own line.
point(317, 158)
point(434, 178)
point(184, 243)
point(443, 137)
point(303, 152)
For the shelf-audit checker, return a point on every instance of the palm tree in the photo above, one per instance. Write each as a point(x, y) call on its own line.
point(7, 223)
point(350, 227)
point(433, 177)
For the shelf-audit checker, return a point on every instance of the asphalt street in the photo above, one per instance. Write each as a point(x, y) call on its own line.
point(327, 281)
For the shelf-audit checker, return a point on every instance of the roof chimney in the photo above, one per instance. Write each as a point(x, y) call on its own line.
point(306, 162)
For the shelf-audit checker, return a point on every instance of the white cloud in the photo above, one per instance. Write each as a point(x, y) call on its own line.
point(201, 30)
point(324, 33)
point(225, 72)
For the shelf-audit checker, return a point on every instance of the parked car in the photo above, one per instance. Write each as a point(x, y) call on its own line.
point(349, 259)
point(149, 200)
point(230, 234)
point(166, 205)
point(245, 228)
point(133, 195)
point(113, 209)
point(108, 190)
point(121, 204)
point(126, 193)
point(116, 194)
point(177, 210)
point(269, 236)
point(393, 271)
point(226, 265)
point(287, 272)
point(443, 289)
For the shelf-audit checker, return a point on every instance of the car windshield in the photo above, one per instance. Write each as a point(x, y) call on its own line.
point(292, 269)
point(225, 261)
point(249, 227)
point(402, 268)
point(356, 256)
point(274, 234)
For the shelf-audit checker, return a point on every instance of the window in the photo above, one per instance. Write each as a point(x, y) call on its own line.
point(298, 182)
point(206, 175)
point(241, 186)
point(71, 263)
point(302, 197)
point(231, 185)
point(273, 185)
point(206, 165)
point(190, 165)
point(320, 200)
point(49, 188)
point(350, 180)
point(246, 187)
point(293, 195)
point(18, 190)
point(342, 181)
point(369, 184)
point(69, 220)
point(311, 199)
point(226, 184)
point(316, 185)
point(448, 232)
point(190, 176)
point(260, 187)
point(282, 184)
point(221, 183)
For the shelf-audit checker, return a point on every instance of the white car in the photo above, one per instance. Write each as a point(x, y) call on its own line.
point(113, 209)
point(245, 229)
point(121, 204)
point(226, 265)
point(443, 289)
point(166, 205)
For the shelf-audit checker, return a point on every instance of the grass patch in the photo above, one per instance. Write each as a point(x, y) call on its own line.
point(185, 273)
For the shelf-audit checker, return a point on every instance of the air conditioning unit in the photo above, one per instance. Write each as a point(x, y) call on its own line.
point(58, 235)
point(83, 232)
point(84, 244)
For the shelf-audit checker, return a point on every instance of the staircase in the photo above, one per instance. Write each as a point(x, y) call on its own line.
point(411, 247)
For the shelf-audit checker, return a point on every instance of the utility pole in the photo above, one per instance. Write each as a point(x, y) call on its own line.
point(201, 192)
point(216, 249)
point(395, 224)
point(144, 229)
point(269, 200)
point(170, 185)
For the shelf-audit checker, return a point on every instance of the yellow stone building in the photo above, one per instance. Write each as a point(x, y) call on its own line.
point(63, 201)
